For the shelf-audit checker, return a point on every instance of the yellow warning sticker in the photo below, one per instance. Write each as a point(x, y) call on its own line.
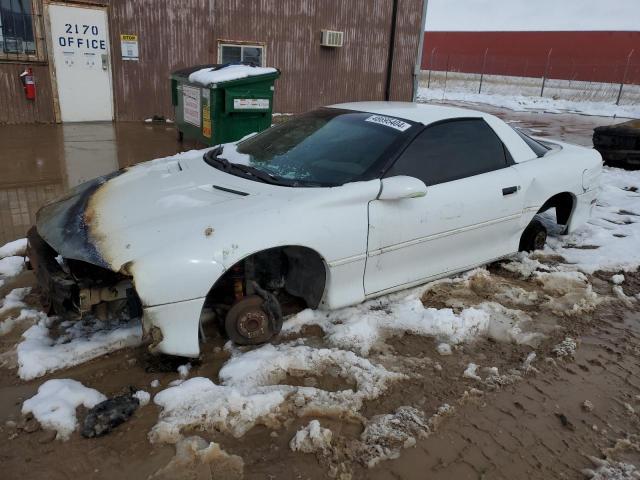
point(206, 121)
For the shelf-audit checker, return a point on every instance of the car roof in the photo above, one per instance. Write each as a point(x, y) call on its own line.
point(416, 112)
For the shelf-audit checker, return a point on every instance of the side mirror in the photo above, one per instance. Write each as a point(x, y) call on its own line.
point(397, 188)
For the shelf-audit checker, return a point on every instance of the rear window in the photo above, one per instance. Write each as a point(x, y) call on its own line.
point(539, 148)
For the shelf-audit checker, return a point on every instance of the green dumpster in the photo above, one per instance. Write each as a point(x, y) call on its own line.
point(225, 109)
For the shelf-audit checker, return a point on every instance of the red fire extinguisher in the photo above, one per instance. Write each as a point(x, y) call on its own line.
point(28, 83)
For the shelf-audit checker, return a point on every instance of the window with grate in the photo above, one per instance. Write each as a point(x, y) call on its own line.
point(19, 24)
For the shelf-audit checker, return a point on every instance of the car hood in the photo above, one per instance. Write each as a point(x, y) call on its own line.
point(120, 217)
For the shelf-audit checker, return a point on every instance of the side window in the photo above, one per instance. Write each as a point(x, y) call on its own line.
point(451, 150)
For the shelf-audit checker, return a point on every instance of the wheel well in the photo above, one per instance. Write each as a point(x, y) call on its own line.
point(563, 203)
point(289, 271)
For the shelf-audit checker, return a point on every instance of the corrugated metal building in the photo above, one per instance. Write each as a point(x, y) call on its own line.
point(110, 59)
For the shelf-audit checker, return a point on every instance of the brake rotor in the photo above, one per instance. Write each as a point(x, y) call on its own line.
point(247, 322)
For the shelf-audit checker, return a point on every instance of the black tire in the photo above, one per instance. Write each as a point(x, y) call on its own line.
point(534, 237)
point(248, 323)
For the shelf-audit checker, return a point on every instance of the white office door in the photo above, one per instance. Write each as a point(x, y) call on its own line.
point(80, 44)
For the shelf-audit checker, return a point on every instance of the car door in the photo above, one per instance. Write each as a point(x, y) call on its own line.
point(469, 216)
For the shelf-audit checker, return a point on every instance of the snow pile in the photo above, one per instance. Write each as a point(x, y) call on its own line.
point(385, 435)
point(617, 279)
point(198, 402)
point(609, 241)
point(312, 438)
point(77, 342)
point(10, 267)
point(54, 406)
point(611, 470)
point(208, 76)
point(13, 301)
point(12, 249)
point(197, 458)
point(472, 311)
point(522, 103)
point(362, 326)
point(566, 348)
point(471, 372)
point(143, 397)
point(251, 392)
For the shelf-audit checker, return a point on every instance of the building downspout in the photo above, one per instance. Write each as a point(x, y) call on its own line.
point(418, 67)
point(392, 41)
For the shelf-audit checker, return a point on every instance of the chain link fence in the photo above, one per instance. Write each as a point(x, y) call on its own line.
point(617, 83)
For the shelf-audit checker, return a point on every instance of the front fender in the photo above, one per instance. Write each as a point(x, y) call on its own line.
point(173, 277)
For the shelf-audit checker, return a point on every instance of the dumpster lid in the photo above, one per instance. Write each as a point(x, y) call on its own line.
point(205, 75)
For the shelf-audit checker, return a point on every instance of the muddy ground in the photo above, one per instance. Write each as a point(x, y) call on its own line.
point(546, 418)
point(542, 422)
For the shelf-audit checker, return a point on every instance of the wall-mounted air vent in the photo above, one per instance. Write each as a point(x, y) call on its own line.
point(331, 38)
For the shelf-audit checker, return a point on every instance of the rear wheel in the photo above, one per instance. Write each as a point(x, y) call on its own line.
point(249, 321)
point(534, 237)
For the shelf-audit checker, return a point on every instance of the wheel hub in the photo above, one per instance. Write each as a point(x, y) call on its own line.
point(253, 323)
point(539, 240)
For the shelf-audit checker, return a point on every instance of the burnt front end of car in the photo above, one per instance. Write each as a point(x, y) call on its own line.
point(75, 289)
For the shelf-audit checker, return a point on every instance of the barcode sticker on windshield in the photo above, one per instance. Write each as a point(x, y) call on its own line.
point(389, 122)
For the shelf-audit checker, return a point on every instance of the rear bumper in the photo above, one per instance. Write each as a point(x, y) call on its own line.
point(58, 289)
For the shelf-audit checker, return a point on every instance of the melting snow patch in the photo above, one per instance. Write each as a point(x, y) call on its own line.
point(522, 103)
point(444, 349)
point(360, 327)
point(617, 279)
point(251, 392)
point(183, 370)
point(312, 438)
point(39, 353)
point(192, 453)
point(615, 232)
point(566, 348)
point(11, 266)
point(12, 249)
point(471, 372)
point(143, 397)
point(54, 406)
point(611, 470)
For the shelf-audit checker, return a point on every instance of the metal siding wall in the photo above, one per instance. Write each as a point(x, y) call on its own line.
point(14, 108)
point(178, 33)
point(172, 34)
point(408, 31)
point(313, 75)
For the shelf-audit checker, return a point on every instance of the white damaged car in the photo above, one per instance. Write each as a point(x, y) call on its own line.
point(333, 207)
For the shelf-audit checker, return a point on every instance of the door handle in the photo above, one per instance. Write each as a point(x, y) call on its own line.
point(509, 190)
point(105, 61)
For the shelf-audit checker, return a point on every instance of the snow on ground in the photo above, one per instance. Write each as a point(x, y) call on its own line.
point(11, 266)
point(311, 438)
point(362, 326)
point(521, 103)
point(611, 470)
point(54, 406)
point(15, 248)
point(77, 342)
point(253, 390)
point(207, 76)
point(614, 227)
